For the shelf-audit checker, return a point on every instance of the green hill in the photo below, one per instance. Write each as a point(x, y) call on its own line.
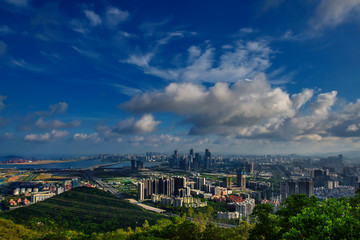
point(83, 209)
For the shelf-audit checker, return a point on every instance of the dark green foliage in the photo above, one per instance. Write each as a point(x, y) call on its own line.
point(267, 224)
point(299, 218)
point(82, 209)
point(329, 220)
point(292, 206)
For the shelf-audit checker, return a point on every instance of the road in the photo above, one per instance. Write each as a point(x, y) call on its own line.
point(89, 174)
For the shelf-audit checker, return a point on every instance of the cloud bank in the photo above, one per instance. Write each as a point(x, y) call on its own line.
point(252, 109)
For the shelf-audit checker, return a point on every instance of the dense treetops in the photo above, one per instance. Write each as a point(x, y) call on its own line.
point(300, 217)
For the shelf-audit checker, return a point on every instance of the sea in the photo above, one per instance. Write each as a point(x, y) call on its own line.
point(81, 164)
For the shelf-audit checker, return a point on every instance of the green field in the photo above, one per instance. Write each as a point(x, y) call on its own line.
point(82, 209)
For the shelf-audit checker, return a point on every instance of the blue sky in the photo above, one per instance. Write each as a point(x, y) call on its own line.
point(251, 77)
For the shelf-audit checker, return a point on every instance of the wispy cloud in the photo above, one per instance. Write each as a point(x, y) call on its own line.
point(242, 60)
point(129, 91)
point(21, 63)
point(94, 19)
point(114, 16)
point(331, 13)
point(5, 30)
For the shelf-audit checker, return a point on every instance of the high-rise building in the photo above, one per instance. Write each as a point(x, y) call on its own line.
point(199, 183)
point(296, 187)
point(306, 187)
point(141, 191)
point(241, 178)
point(207, 159)
point(133, 165)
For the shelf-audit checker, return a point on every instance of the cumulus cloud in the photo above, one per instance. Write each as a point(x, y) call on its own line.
point(54, 124)
point(83, 137)
point(114, 16)
point(145, 124)
point(46, 137)
point(331, 13)
point(252, 109)
point(237, 61)
point(94, 19)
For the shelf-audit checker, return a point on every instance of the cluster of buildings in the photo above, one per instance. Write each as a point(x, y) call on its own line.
point(243, 209)
point(186, 201)
point(40, 193)
point(303, 186)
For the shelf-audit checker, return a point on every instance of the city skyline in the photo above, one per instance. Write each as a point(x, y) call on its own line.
point(264, 77)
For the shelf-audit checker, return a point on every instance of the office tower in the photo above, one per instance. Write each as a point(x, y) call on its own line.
point(133, 165)
point(199, 183)
point(227, 182)
point(292, 188)
point(297, 187)
point(207, 159)
point(306, 187)
point(179, 182)
point(357, 183)
point(241, 179)
point(141, 191)
point(197, 161)
point(139, 165)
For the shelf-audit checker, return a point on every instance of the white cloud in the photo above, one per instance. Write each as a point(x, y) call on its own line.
point(87, 53)
point(54, 124)
point(301, 98)
point(145, 124)
point(243, 60)
point(156, 140)
point(94, 19)
point(114, 16)
point(252, 109)
point(83, 137)
point(21, 63)
point(46, 137)
point(331, 13)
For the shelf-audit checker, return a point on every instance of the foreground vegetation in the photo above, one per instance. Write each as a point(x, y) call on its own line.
point(300, 217)
point(82, 209)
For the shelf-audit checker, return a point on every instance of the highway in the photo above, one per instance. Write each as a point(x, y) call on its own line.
point(89, 174)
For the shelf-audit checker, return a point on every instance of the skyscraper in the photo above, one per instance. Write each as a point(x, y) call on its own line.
point(241, 179)
point(141, 191)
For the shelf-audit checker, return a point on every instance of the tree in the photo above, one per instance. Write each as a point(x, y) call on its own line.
point(292, 206)
point(328, 220)
point(190, 212)
point(266, 223)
